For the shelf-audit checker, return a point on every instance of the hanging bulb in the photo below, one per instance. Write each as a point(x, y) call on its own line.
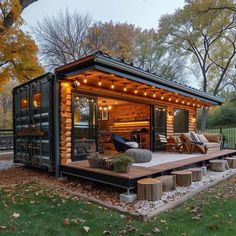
point(154, 95)
point(169, 99)
point(77, 83)
point(100, 83)
point(193, 104)
point(109, 107)
point(183, 102)
point(145, 92)
point(112, 85)
point(176, 100)
point(162, 97)
point(136, 90)
point(85, 80)
point(125, 88)
point(188, 103)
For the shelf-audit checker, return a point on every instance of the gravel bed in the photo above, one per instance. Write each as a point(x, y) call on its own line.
point(145, 207)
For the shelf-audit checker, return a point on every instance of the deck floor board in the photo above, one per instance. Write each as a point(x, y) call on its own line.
point(140, 172)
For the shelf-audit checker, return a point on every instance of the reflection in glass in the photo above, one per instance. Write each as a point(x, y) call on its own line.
point(180, 121)
point(84, 110)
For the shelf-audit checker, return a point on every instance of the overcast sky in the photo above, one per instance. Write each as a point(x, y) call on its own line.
point(143, 13)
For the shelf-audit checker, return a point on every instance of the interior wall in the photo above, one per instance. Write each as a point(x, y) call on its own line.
point(129, 112)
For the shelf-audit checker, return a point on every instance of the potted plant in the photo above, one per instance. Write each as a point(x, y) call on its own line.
point(122, 163)
point(95, 160)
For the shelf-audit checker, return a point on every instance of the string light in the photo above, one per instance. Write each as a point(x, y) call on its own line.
point(112, 85)
point(162, 97)
point(136, 90)
point(85, 80)
point(77, 83)
point(176, 100)
point(145, 92)
point(198, 105)
point(194, 104)
point(154, 95)
point(183, 102)
point(188, 103)
point(100, 83)
point(169, 99)
point(125, 88)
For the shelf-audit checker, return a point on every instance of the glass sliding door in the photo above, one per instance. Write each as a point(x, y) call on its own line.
point(159, 119)
point(84, 126)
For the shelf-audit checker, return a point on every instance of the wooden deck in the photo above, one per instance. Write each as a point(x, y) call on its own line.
point(128, 180)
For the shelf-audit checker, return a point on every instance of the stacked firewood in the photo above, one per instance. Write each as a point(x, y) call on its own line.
point(65, 122)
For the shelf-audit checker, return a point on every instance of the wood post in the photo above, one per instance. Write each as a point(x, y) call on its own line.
point(149, 189)
point(231, 161)
point(218, 165)
point(65, 122)
point(183, 178)
point(196, 174)
point(168, 182)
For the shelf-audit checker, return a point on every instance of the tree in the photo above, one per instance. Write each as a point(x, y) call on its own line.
point(62, 39)
point(18, 51)
point(116, 39)
point(207, 39)
point(10, 12)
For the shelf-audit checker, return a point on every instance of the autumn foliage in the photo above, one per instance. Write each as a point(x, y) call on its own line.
point(18, 51)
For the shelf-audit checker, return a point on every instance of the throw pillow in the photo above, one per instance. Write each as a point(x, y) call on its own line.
point(203, 138)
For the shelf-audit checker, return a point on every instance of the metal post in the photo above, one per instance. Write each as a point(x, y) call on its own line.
point(56, 126)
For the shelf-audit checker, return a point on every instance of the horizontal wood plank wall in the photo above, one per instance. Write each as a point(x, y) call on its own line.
point(65, 122)
point(129, 112)
point(170, 118)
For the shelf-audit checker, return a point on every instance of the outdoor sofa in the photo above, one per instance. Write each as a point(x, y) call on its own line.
point(204, 142)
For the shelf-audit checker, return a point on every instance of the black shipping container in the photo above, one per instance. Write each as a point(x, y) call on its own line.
point(33, 122)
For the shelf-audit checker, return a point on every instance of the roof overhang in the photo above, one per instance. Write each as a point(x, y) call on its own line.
point(104, 63)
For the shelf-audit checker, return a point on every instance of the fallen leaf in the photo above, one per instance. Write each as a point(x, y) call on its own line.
point(16, 215)
point(156, 230)
point(66, 221)
point(86, 229)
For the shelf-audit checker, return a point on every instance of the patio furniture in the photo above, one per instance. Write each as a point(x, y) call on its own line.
point(213, 142)
point(149, 189)
point(168, 182)
point(231, 161)
point(219, 165)
point(139, 155)
point(196, 174)
point(122, 144)
point(183, 178)
point(189, 145)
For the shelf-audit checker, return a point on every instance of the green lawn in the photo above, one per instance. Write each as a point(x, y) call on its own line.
point(33, 209)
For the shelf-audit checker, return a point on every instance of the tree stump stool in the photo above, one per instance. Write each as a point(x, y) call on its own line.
point(196, 174)
point(231, 161)
point(219, 165)
point(149, 189)
point(168, 182)
point(183, 178)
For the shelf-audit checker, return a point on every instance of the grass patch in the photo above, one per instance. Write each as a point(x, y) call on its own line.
point(34, 209)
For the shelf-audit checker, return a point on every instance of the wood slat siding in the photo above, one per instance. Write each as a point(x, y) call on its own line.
point(65, 122)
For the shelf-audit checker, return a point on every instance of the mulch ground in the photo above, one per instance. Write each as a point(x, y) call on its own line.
point(22, 175)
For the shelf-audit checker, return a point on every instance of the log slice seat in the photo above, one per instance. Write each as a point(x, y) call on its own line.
point(231, 161)
point(149, 189)
point(168, 182)
point(183, 178)
point(218, 165)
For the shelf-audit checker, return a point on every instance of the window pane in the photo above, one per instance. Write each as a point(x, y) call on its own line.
point(180, 121)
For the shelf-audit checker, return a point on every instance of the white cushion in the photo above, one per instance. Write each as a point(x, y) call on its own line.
point(202, 138)
point(132, 144)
